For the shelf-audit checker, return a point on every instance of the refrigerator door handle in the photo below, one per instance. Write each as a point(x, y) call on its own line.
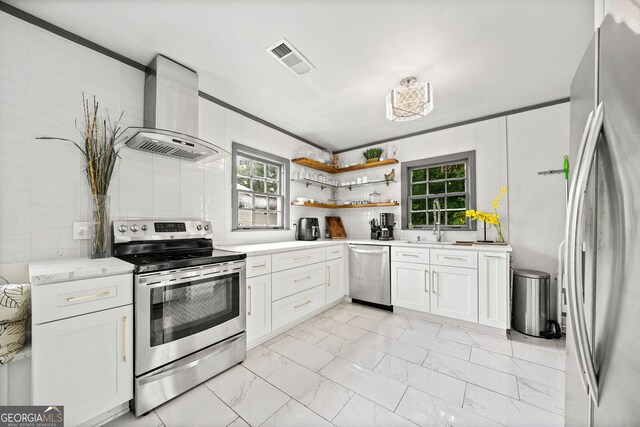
point(574, 275)
point(569, 239)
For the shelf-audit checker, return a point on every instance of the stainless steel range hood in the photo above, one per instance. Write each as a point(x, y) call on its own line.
point(171, 115)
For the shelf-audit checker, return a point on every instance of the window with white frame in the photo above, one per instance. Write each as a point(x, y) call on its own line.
point(450, 180)
point(260, 189)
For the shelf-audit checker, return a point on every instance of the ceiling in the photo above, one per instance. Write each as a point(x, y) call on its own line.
point(481, 57)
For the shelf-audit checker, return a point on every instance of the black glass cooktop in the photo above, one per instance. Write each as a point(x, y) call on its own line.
point(145, 263)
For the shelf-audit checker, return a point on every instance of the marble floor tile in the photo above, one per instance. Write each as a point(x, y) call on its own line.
point(197, 407)
point(360, 412)
point(239, 422)
point(333, 344)
point(551, 357)
point(362, 355)
point(339, 315)
point(419, 325)
point(340, 329)
point(476, 339)
point(293, 414)
point(426, 410)
point(365, 311)
point(479, 375)
point(305, 354)
point(274, 339)
point(518, 367)
point(432, 382)
point(248, 395)
point(451, 348)
point(317, 393)
point(400, 349)
point(507, 411)
point(380, 328)
point(263, 361)
point(307, 333)
point(372, 385)
point(129, 420)
point(542, 395)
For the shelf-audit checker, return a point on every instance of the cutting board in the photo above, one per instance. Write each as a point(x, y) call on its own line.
point(335, 227)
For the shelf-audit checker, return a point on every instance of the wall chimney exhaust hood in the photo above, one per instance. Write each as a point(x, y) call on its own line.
point(171, 115)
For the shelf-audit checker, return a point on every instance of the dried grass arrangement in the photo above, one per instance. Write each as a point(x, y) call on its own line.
point(99, 148)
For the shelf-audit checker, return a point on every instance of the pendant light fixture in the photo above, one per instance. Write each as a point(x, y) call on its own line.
point(409, 101)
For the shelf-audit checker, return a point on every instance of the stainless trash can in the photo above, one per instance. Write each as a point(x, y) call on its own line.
point(530, 301)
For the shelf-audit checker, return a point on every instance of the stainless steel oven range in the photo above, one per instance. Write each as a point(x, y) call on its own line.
point(189, 306)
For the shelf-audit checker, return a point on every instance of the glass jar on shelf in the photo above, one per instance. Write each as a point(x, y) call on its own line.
point(374, 197)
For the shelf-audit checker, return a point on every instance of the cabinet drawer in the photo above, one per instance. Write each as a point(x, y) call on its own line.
point(294, 307)
point(289, 282)
point(453, 258)
point(334, 252)
point(66, 299)
point(287, 260)
point(419, 255)
point(258, 265)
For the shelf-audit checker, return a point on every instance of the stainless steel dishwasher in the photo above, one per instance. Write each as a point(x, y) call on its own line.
point(370, 274)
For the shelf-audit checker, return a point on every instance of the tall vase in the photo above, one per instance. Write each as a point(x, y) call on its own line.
point(100, 226)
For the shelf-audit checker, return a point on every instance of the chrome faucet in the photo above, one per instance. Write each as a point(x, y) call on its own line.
point(438, 217)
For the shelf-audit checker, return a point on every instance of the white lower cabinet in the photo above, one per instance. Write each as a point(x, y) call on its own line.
point(292, 308)
point(84, 363)
point(454, 292)
point(493, 289)
point(335, 278)
point(258, 307)
point(410, 286)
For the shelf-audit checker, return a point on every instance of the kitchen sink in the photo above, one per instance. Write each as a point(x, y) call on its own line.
point(427, 242)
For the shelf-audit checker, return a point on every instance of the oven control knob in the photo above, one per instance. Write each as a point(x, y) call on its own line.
point(199, 227)
point(135, 228)
point(123, 228)
point(144, 228)
point(206, 227)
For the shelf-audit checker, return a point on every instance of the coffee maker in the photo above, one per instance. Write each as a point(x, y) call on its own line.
point(383, 230)
point(307, 229)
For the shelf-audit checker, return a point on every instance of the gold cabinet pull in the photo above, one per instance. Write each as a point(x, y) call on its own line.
point(408, 254)
point(126, 339)
point(454, 257)
point(250, 301)
point(301, 258)
point(329, 275)
point(304, 303)
point(302, 279)
point(263, 265)
point(101, 294)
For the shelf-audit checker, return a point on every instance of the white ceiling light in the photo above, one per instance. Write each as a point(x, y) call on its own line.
point(409, 101)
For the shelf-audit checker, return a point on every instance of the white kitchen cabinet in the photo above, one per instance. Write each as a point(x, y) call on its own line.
point(335, 278)
point(84, 363)
point(410, 286)
point(493, 287)
point(454, 292)
point(258, 307)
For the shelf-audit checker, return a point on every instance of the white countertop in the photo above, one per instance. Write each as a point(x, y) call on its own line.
point(275, 247)
point(60, 270)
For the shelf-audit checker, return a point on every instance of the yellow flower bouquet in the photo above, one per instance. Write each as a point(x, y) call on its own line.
point(490, 218)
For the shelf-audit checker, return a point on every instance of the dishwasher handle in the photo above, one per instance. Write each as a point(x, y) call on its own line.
point(360, 251)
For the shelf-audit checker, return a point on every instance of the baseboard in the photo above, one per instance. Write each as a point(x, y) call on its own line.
point(107, 416)
point(503, 333)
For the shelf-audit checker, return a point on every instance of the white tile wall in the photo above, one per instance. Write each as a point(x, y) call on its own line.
point(42, 185)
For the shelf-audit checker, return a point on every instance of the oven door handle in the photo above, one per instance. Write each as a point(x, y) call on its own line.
point(176, 367)
point(174, 279)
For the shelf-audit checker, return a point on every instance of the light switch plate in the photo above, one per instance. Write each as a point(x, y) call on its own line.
point(81, 230)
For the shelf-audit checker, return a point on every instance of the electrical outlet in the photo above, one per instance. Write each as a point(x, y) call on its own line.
point(81, 230)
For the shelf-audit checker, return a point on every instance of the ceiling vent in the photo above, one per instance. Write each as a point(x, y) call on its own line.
point(289, 57)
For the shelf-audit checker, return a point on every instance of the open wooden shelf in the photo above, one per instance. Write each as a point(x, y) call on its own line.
point(310, 182)
point(327, 206)
point(314, 164)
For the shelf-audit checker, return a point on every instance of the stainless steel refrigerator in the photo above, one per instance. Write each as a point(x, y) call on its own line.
point(602, 255)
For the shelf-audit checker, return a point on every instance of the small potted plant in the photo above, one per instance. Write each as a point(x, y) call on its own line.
point(372, 154)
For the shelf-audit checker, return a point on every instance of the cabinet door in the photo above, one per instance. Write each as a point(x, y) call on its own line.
point(335, 280)
point(493, 289)
point(410, 286)
point(454, 292)
point(84, 363)
point(258, 307)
